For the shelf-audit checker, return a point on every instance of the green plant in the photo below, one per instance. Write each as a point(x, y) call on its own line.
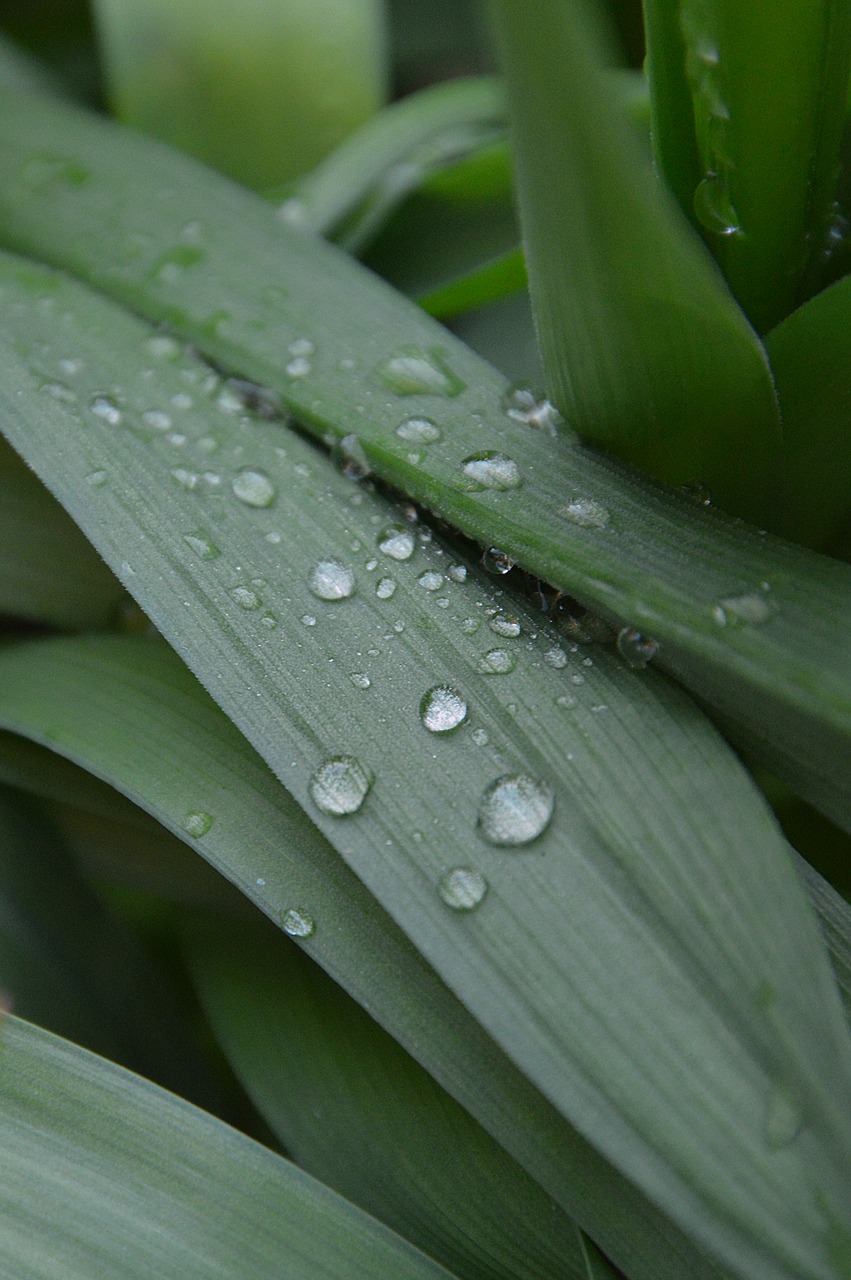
point(591, 1012)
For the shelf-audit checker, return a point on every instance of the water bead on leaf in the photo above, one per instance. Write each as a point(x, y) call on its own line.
point(515, 810)
point(297, 923)
point(397, 542)
point(463, 888)
point(330, 579)
point(414, 371)
point(340, 785)
point(636, 649)
point(443, 709)
point(254, 488)
point(491, 470)
point(521, 404)
point(418, 431)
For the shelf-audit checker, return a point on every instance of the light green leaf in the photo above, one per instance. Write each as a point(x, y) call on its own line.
point(390, 1139)
point(253, 290)
point(668, 885)
point(104, 1175)
point(644, 349)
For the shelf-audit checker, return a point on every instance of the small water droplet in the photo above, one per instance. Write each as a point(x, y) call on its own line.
point(269, 621)
point(463, 888)
point(330, 579)
point(163, 346)
point(413, 371)
point(348, 456)
point(186, 479)
point(522, 404)
point(197, 824)
point(96, 479)
point(418, 431)
point(505, 625)
point(360, 679)
point(70, 366)
point(308, 619)
point(105, 408)
point(340, 785)
point(431, 581)
point(515, 809)
point(245, 598)
point(397, 542)
point(555, 658)
point(751, 608)
point(442, 709)
point(457, 572)
point(497, 662)
point(298, 367)
point(254, 488)
point(58, 391)
point(585, 512)
point(491, 470)
point(480, 737)
point(157, 419)
point(301, 347)
point(198, 542)
point(713, 206)
point(783, 1120)
point(297, 923)
point(182, 400)
point(566, 700)
point(496, 561)
point(636, 649)
point(385, 588)
point(470, 626)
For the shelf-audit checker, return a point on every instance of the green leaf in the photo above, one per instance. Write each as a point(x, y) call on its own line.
point(660, 563)
point(245, 89)
point(644, 349)
point(65, 690)
point(104, 1175)
point(667, 884)
point(390, 1139)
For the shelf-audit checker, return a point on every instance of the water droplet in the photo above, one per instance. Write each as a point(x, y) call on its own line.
point(491, 470)
point(556, 658)
point(566, 700)
point(197, 824)
point(297, 923)
point(505, 625)
point(163, 346)
point(330, 579)
point(463, 888)
point(308, 619)
point(254, 488)
point(431, 581)
point(298, 367)
point(269, 621)
point(360, 679)
point(301, 347)
point(105, 408)
point(245, 598)
point(385, 588)
point(413, 371)
point(497, 562)
point(261, 400)
point(522, 405)
point(70, 366)
point(339, 786)
point(713, 206)
point(457, 572)
point(783, 1120)
point(442, 708)
point(470, 626)
point(96, 479)
point(418, 431)
point(348, 456)
point(58, 391)
point(397, 542)
point(182, 400)
point(636, 649)
point(157, 419)
point(201, 545)
point(585, 512)
point(497, 662)
point(480, 737)
point(515, 809)
point(751, 608)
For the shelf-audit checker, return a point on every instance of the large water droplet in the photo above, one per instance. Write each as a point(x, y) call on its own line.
point(585, 512)
point(348, 456)
point(397, 542)
point(556, 658)
point(385, 588)
point(515, 809)
point(463, 888)
point(297, 923)
point(636, 649)
point(714, 208)
point(522, 405)
point(340, 785)
point(491, 470)
point(504, 624)
point(751, 608)
point(413, 371)
point(496, 561)
point(431, 581)
point(418, 431)
point(783, 1120)
point(497, 662)
point(197, 824)
point(254, 488)
point(245, 598)
point(442, 708)
point(105, 408)
point(330, 579)
point(198, 542)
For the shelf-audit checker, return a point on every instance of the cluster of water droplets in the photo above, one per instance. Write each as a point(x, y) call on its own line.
point(713, 204)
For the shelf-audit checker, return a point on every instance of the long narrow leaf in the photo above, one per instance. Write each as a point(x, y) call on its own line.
point(669, 885)
point(690, 578)
point(104, 1175)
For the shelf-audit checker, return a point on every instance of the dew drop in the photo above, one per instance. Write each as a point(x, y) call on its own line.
point(340, 785)
point(783, 1120)
point(157, 419)
point(556, 658)
point(522, 405)
point(497, 562)
point(491, 470)
point(308, 619)
point(182, 400)
point(163, 346)
point(515, 809)
point(566, 700)
point(330, 579)
point(360, 679)
point(457, 572)
point(198, 542)
point(70, 366)
point(480, 737)
point(385, 588)
point(96, 479)
point(714, 208)
point(585, 512)
point(418, 431)
point(751, 608)
point(245, 598)
point(254, 488)
point(297, 923)
point(505, 625)
point(301, 347)
point(186, 479)
point(463, 888)
point(348, 457)
point(470, 626)
point(298, 367)
point(414, 371)
point(105, 408)
point(497, 662)
point(397, 542)
point(636, 649)
point(58, 391)
point(442, 709)
point(197, 824)
point(430, 581)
